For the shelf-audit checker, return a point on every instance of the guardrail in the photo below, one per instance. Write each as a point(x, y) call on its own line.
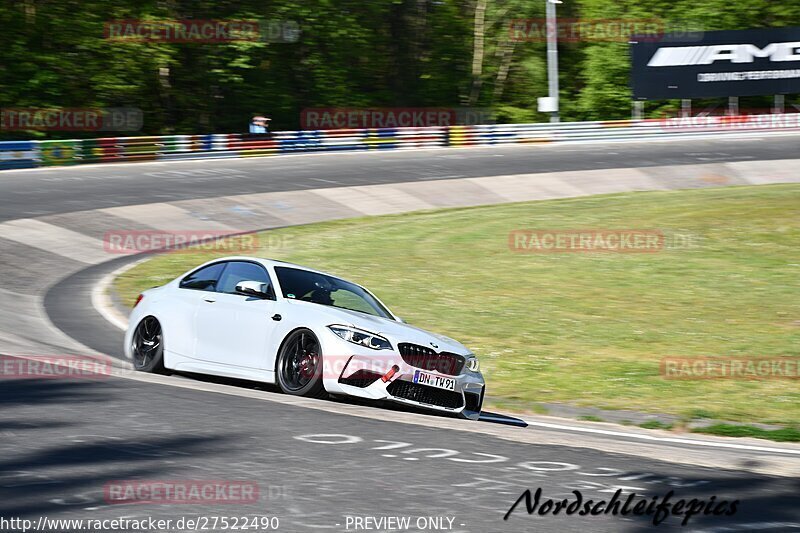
point(28, 154)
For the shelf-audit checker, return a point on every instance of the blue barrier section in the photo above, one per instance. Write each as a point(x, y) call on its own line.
point(299, 141)
point(18, 154)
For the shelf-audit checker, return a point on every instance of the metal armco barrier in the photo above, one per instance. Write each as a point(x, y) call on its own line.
point(28, 154)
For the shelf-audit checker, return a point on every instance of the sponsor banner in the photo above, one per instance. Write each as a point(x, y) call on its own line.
point(717, 64)
point(342, 118)
point(55, 367)
point(586, 241)
point(588, 30)
point(142, 241)
point(690, 368)
point(202, 31)
point(180, 492)
point(73, 119)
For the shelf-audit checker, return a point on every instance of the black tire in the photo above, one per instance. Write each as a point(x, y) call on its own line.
point(147, 346)
point(298, 369)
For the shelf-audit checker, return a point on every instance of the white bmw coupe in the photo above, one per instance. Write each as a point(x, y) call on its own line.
point(309, 332)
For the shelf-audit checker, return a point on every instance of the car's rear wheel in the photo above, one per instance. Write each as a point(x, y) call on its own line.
point(147, 346)
point(299, 366)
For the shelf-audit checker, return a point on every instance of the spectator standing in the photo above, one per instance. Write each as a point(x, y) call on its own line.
point(259, 124)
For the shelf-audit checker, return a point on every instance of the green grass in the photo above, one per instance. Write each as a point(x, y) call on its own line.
point(590, 418)
point(655, 424)
point(728, 430)
point(584, 328)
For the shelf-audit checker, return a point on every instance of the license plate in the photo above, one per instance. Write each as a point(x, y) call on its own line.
point(432, 380)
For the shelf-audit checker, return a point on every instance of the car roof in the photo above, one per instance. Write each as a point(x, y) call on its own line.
point(267, 262)
point(271, 262)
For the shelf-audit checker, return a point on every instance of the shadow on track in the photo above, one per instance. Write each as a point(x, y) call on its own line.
point(486, 416)
point(45, 472)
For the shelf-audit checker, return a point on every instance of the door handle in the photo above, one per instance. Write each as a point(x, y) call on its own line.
point(276, 317)
point(209, 299)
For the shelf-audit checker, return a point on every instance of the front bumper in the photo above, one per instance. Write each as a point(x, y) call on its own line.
point(361, 377)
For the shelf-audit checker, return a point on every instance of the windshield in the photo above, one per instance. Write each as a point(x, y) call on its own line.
point(308, 286)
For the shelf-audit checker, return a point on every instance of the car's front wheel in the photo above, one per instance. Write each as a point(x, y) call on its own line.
point(147, 346)
point(299, 365)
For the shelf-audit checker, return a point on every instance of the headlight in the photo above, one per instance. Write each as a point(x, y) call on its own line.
point(361, 337)
point(473, 365)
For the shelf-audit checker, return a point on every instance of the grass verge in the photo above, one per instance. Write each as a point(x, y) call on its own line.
point(729, 430)
point(655, 424)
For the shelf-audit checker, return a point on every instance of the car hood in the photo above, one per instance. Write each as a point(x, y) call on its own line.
point(395, 331)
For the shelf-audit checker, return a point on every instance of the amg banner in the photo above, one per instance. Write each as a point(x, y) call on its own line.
point(718, 63)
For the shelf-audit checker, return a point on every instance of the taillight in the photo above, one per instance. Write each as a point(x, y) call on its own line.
point(138, 299)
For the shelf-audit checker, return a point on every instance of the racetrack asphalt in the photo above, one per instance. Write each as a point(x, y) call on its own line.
point(46, 191)
point(62, 440)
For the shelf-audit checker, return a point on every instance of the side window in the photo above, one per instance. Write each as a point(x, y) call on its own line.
point(204, 279)
point(241, 271)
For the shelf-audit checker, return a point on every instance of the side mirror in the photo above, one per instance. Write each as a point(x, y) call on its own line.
point(256, 289)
